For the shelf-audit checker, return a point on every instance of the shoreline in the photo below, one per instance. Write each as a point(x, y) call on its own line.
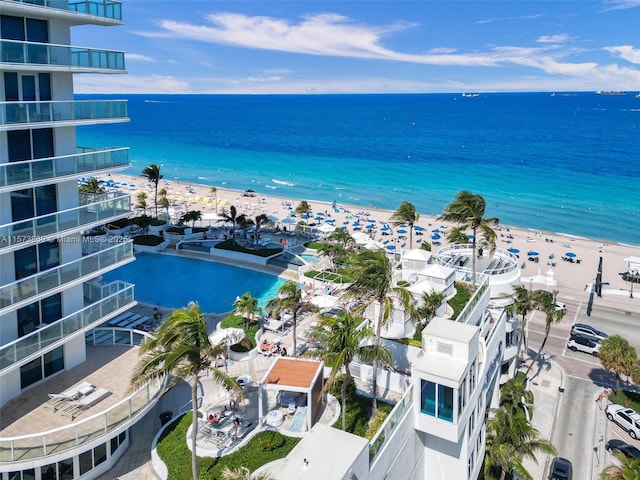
point(571, 278)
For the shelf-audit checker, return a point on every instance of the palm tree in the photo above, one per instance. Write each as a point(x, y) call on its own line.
point(152, 172)
point(289, 298)
point(617, 355)
point(191, 216)
point(516, 397)
point(523, 301)
point(342, 341)
point(342, 237)
point(303, 207)
point(247, 307)
point(456, 235)
point(214, 193)
point(332, 251)
point(510, 438)
point(431, 301)
point(406, 213)
point(372, 274)
point(242, 473)
point(467, 210)
point(141, 202)
point(232, 216)
point(92, 185)
point(547, 302)
point(181, 349)
point(628, 468)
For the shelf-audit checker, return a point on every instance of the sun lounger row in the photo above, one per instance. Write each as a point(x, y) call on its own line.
point(75, 407)
point(58, 400)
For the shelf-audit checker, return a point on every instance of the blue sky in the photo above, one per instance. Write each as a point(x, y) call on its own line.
point(305, 46)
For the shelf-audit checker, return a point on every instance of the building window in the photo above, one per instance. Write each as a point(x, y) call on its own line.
point(42, 367)
point(46, 311)
point(33, 202)
point(437, 400)
point(48, 472)
point(29, 474)
point(116, 442)
point(65, 469)
point(36, 258)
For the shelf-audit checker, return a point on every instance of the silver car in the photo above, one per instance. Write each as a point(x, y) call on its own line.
point(587, 331)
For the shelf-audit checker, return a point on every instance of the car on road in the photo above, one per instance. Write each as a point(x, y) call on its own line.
point(577, 343)
point(561, 306)
point(587, 331)
point(627, 418)
point(561, 469)
point(629, 451)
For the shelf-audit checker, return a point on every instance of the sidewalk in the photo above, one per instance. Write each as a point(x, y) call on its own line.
point(547, 385)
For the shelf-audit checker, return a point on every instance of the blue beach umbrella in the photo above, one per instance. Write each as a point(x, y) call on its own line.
point(418, 228)
point(391, 247)
point(435, 230)
point(513, 250)
point(570, 255)
point(435, 237)
point(372, 220)
point(370, 227)
point(531, 253)
point(402, 231)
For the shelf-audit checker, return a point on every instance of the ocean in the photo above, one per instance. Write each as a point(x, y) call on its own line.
point(559, 163)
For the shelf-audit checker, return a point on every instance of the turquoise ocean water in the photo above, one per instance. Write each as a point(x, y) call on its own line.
point(561, 163)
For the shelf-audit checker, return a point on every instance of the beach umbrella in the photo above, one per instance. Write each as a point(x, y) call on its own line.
point(391, 247)
point(436, 230)
point(570, 255)
point(402, 231)
point(288, 221)
point(531, 253)
point(418, 228)
point(372, 220)
point(435, 237)
point(402, 225)
point(370, 226)
point(292, 213)
point(513, 250)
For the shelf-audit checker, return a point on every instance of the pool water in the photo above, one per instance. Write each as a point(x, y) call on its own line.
point(172, 282)
point(307, 257)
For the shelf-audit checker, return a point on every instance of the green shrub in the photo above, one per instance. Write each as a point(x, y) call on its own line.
point(314, 245)
point(148, 240)
point(457, 303)
point(231, 245)
point(156, 222)
point(172, 449)
point(375, 424)
point(336, 388)
point(118, 224)
point(403, 283)
point(249, 341)
point(624, 397)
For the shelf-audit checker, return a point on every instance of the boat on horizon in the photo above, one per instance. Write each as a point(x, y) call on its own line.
point(470, 95)
point(554, 94)
point(611, 93)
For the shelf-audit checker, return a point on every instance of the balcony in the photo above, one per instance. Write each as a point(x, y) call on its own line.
point(32, 435)
point(27, 290)
point(31, 173)
point(94, 210)
point(113, 298)
point(21, 115)
point(98, 12)
point(15, 55)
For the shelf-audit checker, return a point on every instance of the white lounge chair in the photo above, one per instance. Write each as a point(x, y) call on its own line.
point(76, 407)
point(59, 400)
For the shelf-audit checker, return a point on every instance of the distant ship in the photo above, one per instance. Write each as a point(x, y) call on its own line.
point(611, 93)
point(564, 94)
point(471, 95)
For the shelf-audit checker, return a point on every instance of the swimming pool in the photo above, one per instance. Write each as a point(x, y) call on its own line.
point(171, 281)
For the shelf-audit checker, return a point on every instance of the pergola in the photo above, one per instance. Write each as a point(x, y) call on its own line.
point(295, 375)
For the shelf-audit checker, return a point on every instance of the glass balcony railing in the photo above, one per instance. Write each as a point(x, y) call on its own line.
point(15, 113)
point(13, 51)
point(81, 432)
point(97, 8)
point(52, 280)
point(114, 296)
point(80, 164)
point(93, 209)
point(381, 437)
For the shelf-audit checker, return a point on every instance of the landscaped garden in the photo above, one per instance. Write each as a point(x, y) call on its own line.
point(250, 330)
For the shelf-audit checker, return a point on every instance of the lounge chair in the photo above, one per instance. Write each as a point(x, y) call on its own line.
point(59, 400)
point(76, 407)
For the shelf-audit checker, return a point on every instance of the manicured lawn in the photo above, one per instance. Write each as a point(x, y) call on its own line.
point(249, 341)
point(265, 447)
point(460, 300)
point(623, 397)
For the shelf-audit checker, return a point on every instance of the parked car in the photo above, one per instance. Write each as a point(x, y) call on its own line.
point(629, 451)
point(582, 344)
point(561, 469)
point(561, 306)
point(627, 418)
point(587, 331)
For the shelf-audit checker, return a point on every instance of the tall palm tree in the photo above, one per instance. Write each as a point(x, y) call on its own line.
point(342, 341)
point(628, 468)
point(431, 301)
point(523, 302)
point(231, 216)
point(332, 250)
point(247, 307)
point(141, 202)
point(372, 274)
point(516, 397)
point(617, 354)
point(467, 210)
point(510, 439)
point(303, 207)
point(214, 193)
point(406, 213)
point(342, 237)
point(289, 298)
point(92, 185)
point(456, 235)
point(181, 349)
point(546, 301)
point(152, 172)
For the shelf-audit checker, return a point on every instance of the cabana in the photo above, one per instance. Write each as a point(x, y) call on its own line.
point(300, 382)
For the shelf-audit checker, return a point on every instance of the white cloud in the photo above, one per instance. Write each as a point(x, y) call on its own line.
point(89, 84)
point(622, 4)
point(560, 38)
point(138, 57)
point(626, 52)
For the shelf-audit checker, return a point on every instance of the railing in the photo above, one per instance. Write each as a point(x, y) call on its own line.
point(31, 230)
point(91, 161)
point(444, 254)
point(482, 286)
point(38, 53)
point(388, 426)
point(16, 113)
point(51, 280)
point(52, 442)
point(116, 295)
point(97, 8)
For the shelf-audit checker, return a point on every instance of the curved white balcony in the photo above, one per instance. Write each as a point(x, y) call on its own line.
point(49, 57)
point(20, 115)
point(31, 435)
point(32, 173)
point(97, 12)
point(115, 298)
point(27, 290)
point(95, 209)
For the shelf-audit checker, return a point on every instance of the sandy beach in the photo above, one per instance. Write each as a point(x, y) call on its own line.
point(572, 278)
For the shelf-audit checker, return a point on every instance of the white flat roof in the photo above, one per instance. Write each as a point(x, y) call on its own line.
point(441, 367)
point(330, 452)
point(417, 254)
point(450, 330)
point(436, 270)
